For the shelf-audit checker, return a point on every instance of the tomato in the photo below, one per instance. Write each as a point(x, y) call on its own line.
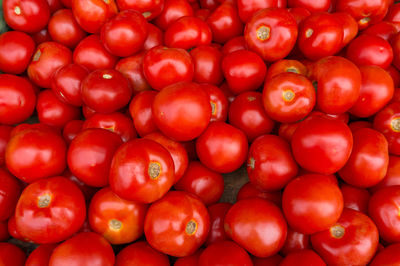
point(10, 191)
point(295, 242)
point(384, 29)
point(387, 256)
point(218, 101)
point(17, 99)
point(222, 147)
point(234, 44)
point(350, 26)
point(356, 125)
point(248, 190)
point(207, 64)
point(64, 29)
point(132, 68)
point(299, 13)
point(48, 57)
point(224, 253)
point(257, 225)
point(376, 91)
point(177, 224)
point(392, 177)
point(286, 65)
point(141, 170)
point(182, 111)
point(303, 258)
point(154, 37)
point(106, 91)
point(248, 8)
point(41, 36)
point(89, 156)
point(91, 54)
point(83, 249)
point(393, 14)
point(172, 11)
point(164, 66)
point(217, 213)
point(53, 112)
point(141, 253)
point(312, 6)
point(33, 154)
point(387, 121)
point(247, 113)
point(87, 191)
point(41, 255)
point(11, 255)
point(92, 14)
point(71, 129)
point(271, 33)
point(26, 15)
point(395, 74)
point(305, 196)
point(4, 235)
point(50, 210)
point(140, 110)
point(288, 97)
point(353, 240)
point(149, 9)
point(322, 145)
point(268, 261)
point(16, 50)
point(320, 35)
point(286, 130)
point(383, 210)
point(355, 198)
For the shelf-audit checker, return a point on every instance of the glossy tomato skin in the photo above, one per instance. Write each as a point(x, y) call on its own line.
point(207, 64)
point(89, 156)
point(141, 170)
point(295, 242)
point(48, 57)
point(234, 44)
point(16, 50)
point(322, 145)
point(353, 240)
point(149, 9)
point(33, 154)
point(271, 33)
point(395, 42)
point(125, 34)
point(50, 210)
point(243, 70)
point(247, 113)
point(303, 258)
point(191, 260)
point(248, 221)
point(219, 102)
point(28, 15)
point(355, 198)
point(306, 194)
point(392, 177)
point(248, 8)
point(217, 213)
point(222, 147)
point(387, 256)
point(376, 91)
point(83, 249)
point(17, 98)
point(383, 211)
point(312, 6)
point(11, 255)
point(41, 255)
point(10, 191)
point(248, 190)
point(177, 224)
point(71, 129)
point(386, 122)
point(299, 13)
point(224, 252)
point(350, 26)
point(106, 91)
point(155, 37)
point(140, 110)
point(140, 253)
point(182, 111)
point(173, 10)
point(286, 65)
point(356, 125)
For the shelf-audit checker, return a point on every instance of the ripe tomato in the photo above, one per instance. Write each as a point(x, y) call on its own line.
point(16, 50)
point(248, 190)
point(356, 125)
point(10, 191)
point(172, 10)
point(322, 145)
point(387, 121)
point(154, 37)
point(149, 9)
point(177, 224)
point(312, 6)
point(141, 253)
point(303, 258)
point(33, 154)
point(392, 177)
point(286, 65)
point(41, 255)
point(387, 256)
point(140, 110)
point(141, 170)
point(71, 129)
point(50, 210)
point(268, 261)
point(11, 255)
point(17, 99)
point(350, 26)
point(299, 13)
point(355, 198)
point(83, 249)
point(191, 260)
point(219, 102)
point(353, 240)
point(217, 213)
point(271, 33)
point(234, 44)
point(224, 253)
point(257, 225)
point(182, 111)
point(304, 196)
point(248, 8)
point(295, 241)
point(207, 64)
point(384, 29)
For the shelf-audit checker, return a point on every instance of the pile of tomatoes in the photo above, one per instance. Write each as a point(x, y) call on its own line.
point(120, 118)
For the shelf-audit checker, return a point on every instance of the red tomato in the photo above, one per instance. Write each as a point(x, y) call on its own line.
point(140, 110)
point(355, 198)
point(234, 44)
point(384, 211)
point(286, 130)
point(353, 240)
point(247, 113)
point(384, 29)
point(87, 191)
point(350, 26)
point(295, 241)
point(83, 249)
point(10, 191)
point(41, 255)
point(177, 224)
point(356, 125)
point(376, 91)
point(248, 8)
point(106, 91)
point(322, 145)
point(303, 258)
point(50, 210)
point(164, 66)
point(312, 6)
point(299, 13)
point(219, 102)
point(286, 65)
point(17, 99)
point(49, 57)
point(271, 33)
point(395, 42)
point(191, 260)
point(207, 64)
point(268, 261)
point(26, 15)
point(149, 9)
point(222, 147)
point(288, 97)
point(4, 235)
point(71, 129)
point(16, 50)
point(217, 213)
point(395, 74)
point(41, 36)
point(172, 11)
point(33, 154)
point(257, 225)
point(387, 121)
point(182, 111)
point(141, 170)
point(64, 29)
point(11, 255)
point(154, 37)
point(312, 203)
point(248, 190)
point(392, 177)
point(89, 156)
point(141, 253)
point(387, 256)
point(224, 253)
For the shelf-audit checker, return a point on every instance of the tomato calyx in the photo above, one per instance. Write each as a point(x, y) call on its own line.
point(288, 95)
point(337, 231)
point(154, 170)
point(191, 227)
point(263, 33)
point(146, 14)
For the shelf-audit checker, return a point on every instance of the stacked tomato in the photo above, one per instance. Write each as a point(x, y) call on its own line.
point(119, 120)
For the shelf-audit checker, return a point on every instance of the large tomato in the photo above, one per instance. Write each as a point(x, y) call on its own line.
point(224, 253)
point(217, 215)
point(10, 191)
